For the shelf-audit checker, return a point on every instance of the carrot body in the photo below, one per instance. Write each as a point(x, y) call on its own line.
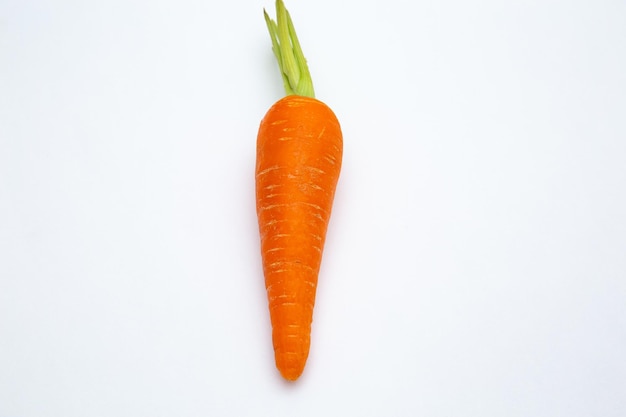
point(299, 152)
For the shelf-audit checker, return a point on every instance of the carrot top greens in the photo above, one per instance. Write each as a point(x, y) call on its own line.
point(293, 66)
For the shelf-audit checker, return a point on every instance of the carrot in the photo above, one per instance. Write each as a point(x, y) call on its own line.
point(299, 151)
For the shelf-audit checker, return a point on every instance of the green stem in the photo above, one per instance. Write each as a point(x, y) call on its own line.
point(286, 47)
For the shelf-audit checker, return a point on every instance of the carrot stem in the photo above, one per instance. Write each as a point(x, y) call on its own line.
point(291, 61)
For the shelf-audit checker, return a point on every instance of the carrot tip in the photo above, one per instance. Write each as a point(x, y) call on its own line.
point(293, 372)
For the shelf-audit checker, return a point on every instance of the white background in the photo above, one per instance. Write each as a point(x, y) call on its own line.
point(476, 259)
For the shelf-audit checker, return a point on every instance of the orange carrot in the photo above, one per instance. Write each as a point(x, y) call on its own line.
point(299, 150)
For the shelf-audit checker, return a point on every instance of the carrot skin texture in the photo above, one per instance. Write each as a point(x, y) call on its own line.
point(299, 153)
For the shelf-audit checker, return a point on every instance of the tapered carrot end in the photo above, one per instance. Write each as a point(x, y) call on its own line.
point(290, 366)
point(291, 348)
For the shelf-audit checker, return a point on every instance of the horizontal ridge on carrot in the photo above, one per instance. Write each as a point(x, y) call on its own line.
point(299, 152)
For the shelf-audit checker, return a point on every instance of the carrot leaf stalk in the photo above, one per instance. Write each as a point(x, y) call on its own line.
point(286, 47)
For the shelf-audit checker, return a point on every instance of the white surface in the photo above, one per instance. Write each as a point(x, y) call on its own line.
point(475, 263)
